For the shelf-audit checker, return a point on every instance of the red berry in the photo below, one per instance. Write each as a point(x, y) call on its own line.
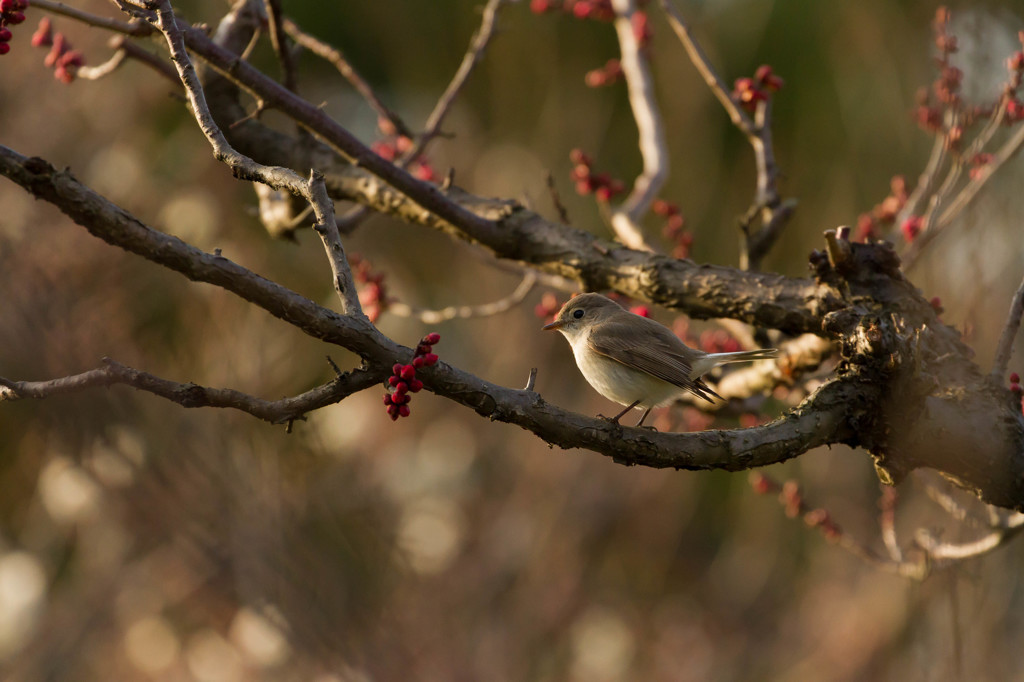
point(761, 484)
point(14, 18)
point(432, 338)
point(1014, 378)
point(582, 9)
point(387, 399)
point(415, 385)
point(401, 388)
point(911, 227)
point(5, 35)
point(417, 362)
point(396, 369)
point(43, 37)
point(1015, 387)
point(429, 359)
point(72, 58)
point(5, 48)
point(403, 410)
point(408, 372)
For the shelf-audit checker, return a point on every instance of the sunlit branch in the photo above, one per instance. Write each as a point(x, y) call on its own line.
point(467, 311)
point(625, 219)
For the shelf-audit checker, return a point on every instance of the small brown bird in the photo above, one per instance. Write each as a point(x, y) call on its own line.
point(634, 360)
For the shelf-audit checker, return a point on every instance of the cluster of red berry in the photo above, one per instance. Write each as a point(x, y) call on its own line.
point(395, 145)
point(62, 59)
point(403, 380)
point(869, 224)
point(947, 89)
point(747, 92)
point(373, 294)
point(912, 227)
point(674, 229)
point(601, 185)
point(548, 307)
point(599, 10)
point(11, 14)
point(1015, 65)
point(1016, 388)
point(979, 165)
point(792, 501)
point(608, 74)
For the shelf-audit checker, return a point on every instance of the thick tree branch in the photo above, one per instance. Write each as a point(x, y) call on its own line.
point(820, 419)
point(508, 230)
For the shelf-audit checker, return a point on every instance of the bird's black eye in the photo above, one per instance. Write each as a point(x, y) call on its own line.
point(577, 314)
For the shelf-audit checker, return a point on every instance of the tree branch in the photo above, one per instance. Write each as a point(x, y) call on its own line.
point(246, 168)
point(820, 419)
point(475, 52)
point(281, 411)
point(625, 218)
point(1005, 347)
point(337, 58)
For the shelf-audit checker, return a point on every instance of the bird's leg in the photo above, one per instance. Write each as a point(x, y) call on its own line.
point(616, 418)
point(640, 424)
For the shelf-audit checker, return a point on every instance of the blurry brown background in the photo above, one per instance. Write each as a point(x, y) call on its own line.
point(140, 540)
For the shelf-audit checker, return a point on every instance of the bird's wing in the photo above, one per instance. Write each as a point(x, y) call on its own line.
point(656, 356)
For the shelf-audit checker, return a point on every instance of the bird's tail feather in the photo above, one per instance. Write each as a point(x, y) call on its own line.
point(746, 355)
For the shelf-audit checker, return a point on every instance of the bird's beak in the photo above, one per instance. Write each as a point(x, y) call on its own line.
point(557, 324)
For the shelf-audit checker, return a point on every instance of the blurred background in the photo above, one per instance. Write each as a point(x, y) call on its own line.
point(143, 541)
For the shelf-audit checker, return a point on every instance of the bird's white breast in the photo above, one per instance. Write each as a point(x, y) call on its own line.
point(618, 382)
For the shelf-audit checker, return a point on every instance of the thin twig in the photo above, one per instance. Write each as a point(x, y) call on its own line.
point(531, 380)
point(327, 227)
point(475, 52)
point(1005, 347)
point(556, 199)
point(948, 552)
point(1005, 153)
point(92, 73)
point(284, 55)
point(337, 58)
point(700, 60)
point(887, 523)
point(924, 185)
point(280, 411)
point(244, 167)
point(136, 27)
point(467, 311)
point(775, 213)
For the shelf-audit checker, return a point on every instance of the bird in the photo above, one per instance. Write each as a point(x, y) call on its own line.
point(634, 360)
